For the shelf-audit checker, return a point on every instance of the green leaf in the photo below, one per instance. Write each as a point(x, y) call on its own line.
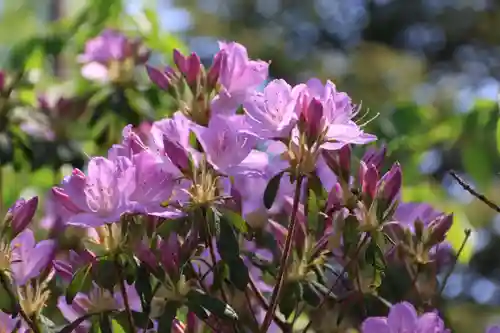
point(476, 162)
point(227, 244)
point(167, 226)
point(105, 274)
point(238, 274)
point(272, 190)
point(81, 282)
point(105, 323)
point(291, 294)
point(71, 327)
point(129, 267)
point(212, 304)
point(117, 327)
point(166, 319)
point(143, 287)
point(140, 320)
point(311, 295)
point(236, 219)
point(7, 304)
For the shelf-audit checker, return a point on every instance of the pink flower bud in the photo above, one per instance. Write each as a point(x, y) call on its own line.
point(180, 61)
point(169, 253)
point(339, 161)
point(214, 71)
point(20, 215)
point(390, 184)
point(375, 156)
point(193, 70)
point(368, 178)
point(312, 115)
point(438, 228)
point(164, 79)
point(335, 198)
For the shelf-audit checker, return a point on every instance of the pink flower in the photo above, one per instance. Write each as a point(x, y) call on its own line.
point(336, 118)
point(226, 141)
point(99, 197)
point(239, 76)
point(272, 113)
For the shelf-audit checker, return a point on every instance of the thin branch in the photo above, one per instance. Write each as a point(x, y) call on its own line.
point(478, 195)
point(284, 259)
point(123, 290)
point(263, 303)
point(468, 232)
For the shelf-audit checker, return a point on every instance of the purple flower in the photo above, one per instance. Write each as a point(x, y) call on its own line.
point(19, 216)
point(8, 324)
point(272, 113)
point(29, 258)
point(131, 144)
point(226, 141)
point(101, 196)
point(238, 76)
point(154, 183)
point(336, 119)
point(250, 180)
point(493, 329)
point(403, 318)
point(110, 46)
point(176, 130)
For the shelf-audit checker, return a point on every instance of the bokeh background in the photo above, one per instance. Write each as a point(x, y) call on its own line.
point(428, 70)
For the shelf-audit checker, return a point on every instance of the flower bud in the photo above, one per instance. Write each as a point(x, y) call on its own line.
point(214, 71)
point(312, 116)
point(368, 180)
point(419, 229)
point(176, 153)
point(438, 229)
point(374, 156)
point(335, 198)
point(339, 161)
point(20, 215)
point(180, 61)
point(193, 69)
point(169, 253)
point(390, 184)
point(163, 80)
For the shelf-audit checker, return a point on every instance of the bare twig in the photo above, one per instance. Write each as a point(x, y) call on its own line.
point(452, 268)
point(284, 259)
point(478, 195)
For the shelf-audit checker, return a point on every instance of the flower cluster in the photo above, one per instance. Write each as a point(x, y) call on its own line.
point(242, 208)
